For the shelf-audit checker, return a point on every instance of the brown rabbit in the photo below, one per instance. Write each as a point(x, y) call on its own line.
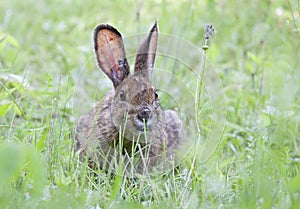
point(129, 125)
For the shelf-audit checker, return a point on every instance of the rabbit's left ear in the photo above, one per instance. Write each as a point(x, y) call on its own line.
point(145, 57)
point(110, 53)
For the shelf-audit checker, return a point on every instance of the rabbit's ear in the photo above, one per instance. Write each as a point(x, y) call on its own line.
point(110, 53)
point(146, 54)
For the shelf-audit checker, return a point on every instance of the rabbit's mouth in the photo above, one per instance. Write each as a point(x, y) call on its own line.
point(142, 126)
point(143, 120)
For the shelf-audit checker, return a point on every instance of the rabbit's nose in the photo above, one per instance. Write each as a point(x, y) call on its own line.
point(144, 114)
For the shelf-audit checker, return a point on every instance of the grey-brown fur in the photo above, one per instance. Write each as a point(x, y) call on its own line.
point(115, 129)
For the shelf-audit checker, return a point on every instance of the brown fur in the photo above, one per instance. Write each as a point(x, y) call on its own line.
point(115, 129)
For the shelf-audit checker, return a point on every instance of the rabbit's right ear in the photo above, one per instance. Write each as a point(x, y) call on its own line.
point(145, 57)
point(110, 53)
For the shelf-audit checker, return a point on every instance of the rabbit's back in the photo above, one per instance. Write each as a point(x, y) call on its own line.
point(96, 128)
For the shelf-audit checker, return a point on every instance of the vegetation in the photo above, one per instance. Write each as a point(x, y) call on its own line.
point(48, 78)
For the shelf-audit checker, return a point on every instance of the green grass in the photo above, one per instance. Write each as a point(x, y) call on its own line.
point(48, 78)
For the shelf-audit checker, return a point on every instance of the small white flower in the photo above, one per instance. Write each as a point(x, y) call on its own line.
point(279, 11)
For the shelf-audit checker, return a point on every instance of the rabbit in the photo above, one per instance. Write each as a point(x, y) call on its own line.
point(129, 123)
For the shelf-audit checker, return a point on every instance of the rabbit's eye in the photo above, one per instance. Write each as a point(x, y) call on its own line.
point(122, 95)
point(155, 95)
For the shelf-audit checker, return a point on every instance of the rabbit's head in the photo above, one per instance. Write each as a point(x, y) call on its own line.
point(135, 107)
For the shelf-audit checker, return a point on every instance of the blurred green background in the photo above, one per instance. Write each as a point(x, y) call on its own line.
point(48, 78)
